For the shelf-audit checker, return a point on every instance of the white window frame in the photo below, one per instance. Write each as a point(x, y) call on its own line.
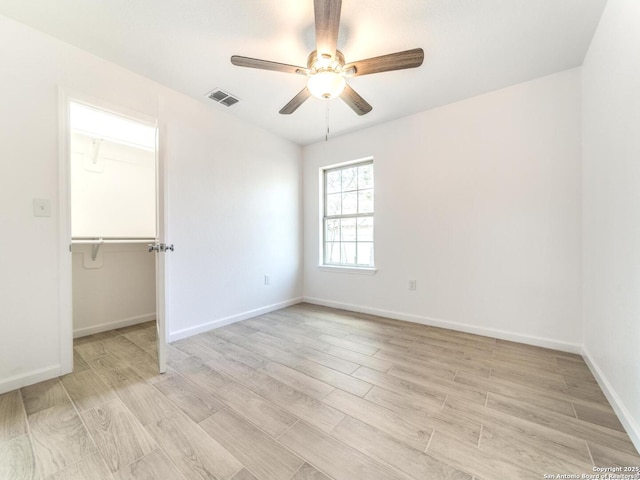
point(341, 268)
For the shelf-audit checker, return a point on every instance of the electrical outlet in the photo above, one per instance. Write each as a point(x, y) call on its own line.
point(267, 280)
point(412, 284)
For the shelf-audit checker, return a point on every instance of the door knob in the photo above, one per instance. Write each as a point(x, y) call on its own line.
point(160, 247)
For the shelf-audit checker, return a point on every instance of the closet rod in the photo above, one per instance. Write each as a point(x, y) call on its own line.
point(97, 242)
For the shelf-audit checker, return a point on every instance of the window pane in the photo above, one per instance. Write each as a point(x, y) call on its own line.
point(365, 176)
point(348, 224)
point(332, 252)
point(365, 229)
point(365, 253)
point(349, 179)
point(334, 204)
point(349, 203)
point(365, 201)
point(332, 230)
point(333, 181)
point(348, 230)
point(349, 253)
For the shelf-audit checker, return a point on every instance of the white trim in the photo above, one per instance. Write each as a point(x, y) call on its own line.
point(111, 108)
point(65, 289)
point(221, 322)
point(626, 418)
point(29, 378)
point(462, 327)
point(368, 158)
point(342, 269)
point(105, 327)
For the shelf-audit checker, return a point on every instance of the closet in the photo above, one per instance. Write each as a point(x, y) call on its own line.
point(113, 220)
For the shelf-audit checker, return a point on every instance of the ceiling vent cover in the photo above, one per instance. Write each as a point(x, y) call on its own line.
point(222, 97)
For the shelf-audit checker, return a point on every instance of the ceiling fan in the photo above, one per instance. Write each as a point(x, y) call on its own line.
point(326, 70)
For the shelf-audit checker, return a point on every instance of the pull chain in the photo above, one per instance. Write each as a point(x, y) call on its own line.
point(326, 136)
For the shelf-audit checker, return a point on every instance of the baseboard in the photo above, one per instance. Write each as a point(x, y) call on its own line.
point(29, 378)
point(436, 322)
point(105, 327)
point(221, 322)
point(625, 417)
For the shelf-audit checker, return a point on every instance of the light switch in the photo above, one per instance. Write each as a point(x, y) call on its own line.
point(41, 207)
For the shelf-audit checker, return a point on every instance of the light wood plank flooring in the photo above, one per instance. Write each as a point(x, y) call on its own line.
point(311, 393)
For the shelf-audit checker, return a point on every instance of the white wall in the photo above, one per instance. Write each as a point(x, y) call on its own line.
point(611, 196)
point(199, 165)
point(113, 191)
point(236, 213)
point(479, 201)
point(121, 291)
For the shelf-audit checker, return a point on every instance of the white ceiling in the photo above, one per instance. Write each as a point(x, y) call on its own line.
point(471, 47)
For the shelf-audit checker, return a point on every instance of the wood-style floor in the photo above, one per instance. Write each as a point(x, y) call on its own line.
point(310, 393)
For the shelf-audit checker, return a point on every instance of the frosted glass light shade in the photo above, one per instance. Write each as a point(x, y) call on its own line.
point(326, 84)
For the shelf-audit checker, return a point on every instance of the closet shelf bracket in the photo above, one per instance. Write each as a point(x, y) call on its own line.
point(95, 248)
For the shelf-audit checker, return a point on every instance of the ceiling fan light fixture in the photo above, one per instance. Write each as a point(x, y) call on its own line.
point(326, 84)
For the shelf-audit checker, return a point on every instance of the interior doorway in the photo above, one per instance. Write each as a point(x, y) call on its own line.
point(116, 229)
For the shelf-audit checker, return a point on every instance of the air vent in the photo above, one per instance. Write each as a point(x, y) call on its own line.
point(222, 97)
point(229, 101)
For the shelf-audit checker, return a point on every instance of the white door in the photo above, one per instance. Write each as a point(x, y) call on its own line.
point(160, 251)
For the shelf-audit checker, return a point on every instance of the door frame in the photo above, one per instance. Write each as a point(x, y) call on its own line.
point(65, 287)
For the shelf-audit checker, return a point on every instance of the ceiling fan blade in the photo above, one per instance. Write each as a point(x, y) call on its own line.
point(355, 101)
point(327, 14)
point(266, 65)
point(385, 63)
point(295, 102)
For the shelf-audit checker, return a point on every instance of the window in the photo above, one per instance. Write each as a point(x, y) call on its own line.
point(348, 215)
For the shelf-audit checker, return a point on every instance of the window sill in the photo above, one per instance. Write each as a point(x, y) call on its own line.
point(353, 270)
